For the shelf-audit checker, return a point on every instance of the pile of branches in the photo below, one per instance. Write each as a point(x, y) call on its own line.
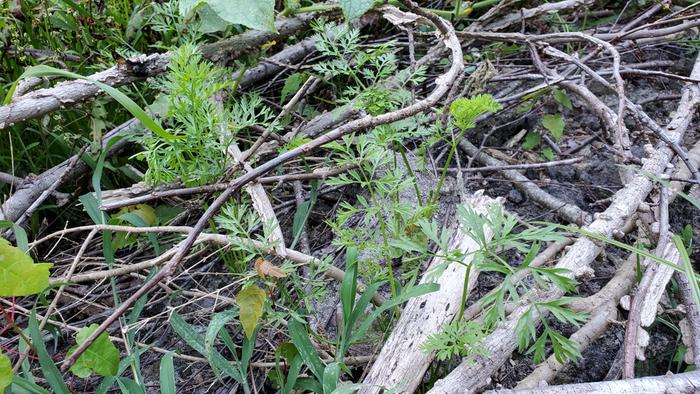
point(626, 85)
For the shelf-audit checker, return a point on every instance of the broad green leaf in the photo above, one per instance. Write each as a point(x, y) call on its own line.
point(19, 276)
point(124, 100)
point(101, 357)
point(330, 377)
point(210, 22)
point(167, 374)
point(555, 125)
point(5, 372)
point(251, 301)
point(562, 98)
point(217, 323)
point(548, 153)
point(355, 8)
point(257, 15)
point(415, 291)
point(185, 7)
point(292, 85)
point(196, 342)
point(22, 385)
point(300, 338)
point(144, 211)
point(20, 234)
point(532, 139)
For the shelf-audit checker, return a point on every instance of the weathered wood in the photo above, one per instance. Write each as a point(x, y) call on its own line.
point(682, 383)
point(401, 363)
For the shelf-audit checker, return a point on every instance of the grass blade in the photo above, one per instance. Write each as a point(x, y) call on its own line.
point(167, 374)
point(124, 100)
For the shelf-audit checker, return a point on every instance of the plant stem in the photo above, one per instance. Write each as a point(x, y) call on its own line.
point(436, 193)
point(465, 293)
point(410, 172)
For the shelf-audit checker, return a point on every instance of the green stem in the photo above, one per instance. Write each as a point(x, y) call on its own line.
point(465, 293)
point(402, 151)
point(436, 193)
point(385, 238)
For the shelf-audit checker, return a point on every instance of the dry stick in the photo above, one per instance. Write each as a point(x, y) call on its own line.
point(546, 8)
point(656, 276)
point(692, 315)
point(688, 382)
point(442, 85)
point(23, 198)
point(567, 211)
point(645, 15)
point(503, 341)
point(292, 255)
point(607, 299)
point(524, 166)
point(43, 101)
point(43, 196)
point(285, 111)
point(11, 179)
point(320, 174)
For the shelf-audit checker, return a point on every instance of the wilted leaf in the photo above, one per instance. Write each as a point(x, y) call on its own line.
point(101, 357)
point(19, 276)
point(355, 8)
point(251, 301)
point(5, 372)
point(555, 125)
point(265, 268)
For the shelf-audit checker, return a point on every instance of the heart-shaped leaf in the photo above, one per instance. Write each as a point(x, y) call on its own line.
point(101, 357)
point(19, 276)
point(555, 125)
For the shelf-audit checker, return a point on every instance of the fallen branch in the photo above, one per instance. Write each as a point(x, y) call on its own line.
point(70, 93)
point(688, 382)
